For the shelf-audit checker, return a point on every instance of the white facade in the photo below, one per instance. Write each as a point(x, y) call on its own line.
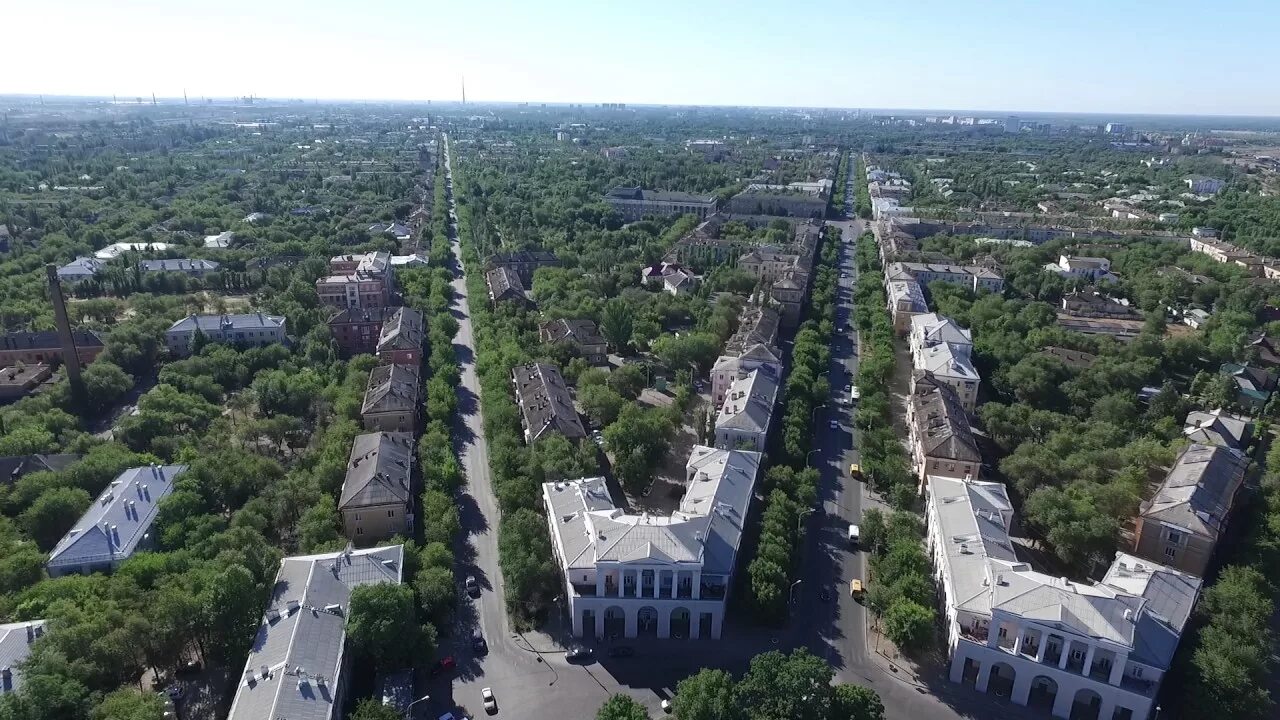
point(253, 329)
point(641, 575)
point(943, 348)
point(1047, 641)
point(1093, 269)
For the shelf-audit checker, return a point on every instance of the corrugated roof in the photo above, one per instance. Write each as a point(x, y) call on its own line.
point(391, 388)
point(1199, 490)
point(15, 645)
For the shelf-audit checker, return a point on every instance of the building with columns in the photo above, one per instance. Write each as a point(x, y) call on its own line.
point(1070, 648)
point(644, 575)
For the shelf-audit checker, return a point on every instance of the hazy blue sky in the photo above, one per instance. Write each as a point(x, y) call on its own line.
point(1153, 56)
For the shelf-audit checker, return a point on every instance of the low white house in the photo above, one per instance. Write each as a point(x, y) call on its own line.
point(646, 575)
point(1071, 648)
point(1093, 269)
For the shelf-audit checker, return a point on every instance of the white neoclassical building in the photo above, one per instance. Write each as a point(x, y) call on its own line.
point(1072, 649)
point(629, 575)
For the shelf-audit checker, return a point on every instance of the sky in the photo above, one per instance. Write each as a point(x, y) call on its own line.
point(1122, 56)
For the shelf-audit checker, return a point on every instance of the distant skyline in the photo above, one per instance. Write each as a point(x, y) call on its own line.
point(1086, 56)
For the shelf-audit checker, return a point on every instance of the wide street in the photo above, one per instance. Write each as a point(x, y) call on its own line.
point(528, 672)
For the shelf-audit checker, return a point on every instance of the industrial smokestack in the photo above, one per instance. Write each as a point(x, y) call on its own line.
point(70, 358)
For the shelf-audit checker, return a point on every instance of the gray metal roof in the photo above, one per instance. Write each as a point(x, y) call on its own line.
point(15, 645)
point(934, 329)
point(119, 518)
point(1216, 428)
point(378, 470)
point(295, 664)
point(391, 388)
point(756, 326)
point(1198, 491)
point(973, 520)
point(748, 404)
point(185, 265)
point(212, 323)
point(578, 331)
point(947, 361)
point(706, 528)
point(1170, 595)
point(404, 330)
point(544, 402)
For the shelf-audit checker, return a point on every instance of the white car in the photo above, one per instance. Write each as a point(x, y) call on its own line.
point(490, 703)
point(854, 392)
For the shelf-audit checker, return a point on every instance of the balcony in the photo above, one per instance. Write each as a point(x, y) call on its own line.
point(1137, 685)
point(584, 589)
point(976, 634)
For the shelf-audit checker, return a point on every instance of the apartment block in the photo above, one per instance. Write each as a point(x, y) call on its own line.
point(248, 329)
point(377, 494)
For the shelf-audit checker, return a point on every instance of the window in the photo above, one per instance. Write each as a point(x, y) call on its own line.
point(391, 513)
point(357, 517)
point(1137, 671)
point(1174, 537)
point(359, 531)
point(1170, 553)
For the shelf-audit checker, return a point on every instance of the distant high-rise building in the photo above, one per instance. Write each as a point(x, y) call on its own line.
point(1117, 128)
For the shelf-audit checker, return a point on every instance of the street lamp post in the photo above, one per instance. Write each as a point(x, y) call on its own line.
point(408, 712)
point(800, 519)
point(792, 600)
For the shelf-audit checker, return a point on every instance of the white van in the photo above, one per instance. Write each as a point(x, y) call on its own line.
point(854, 534)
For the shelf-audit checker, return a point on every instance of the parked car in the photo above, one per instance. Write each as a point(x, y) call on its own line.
point(855, 471)
point(666, 706)
point(490, 702)
point(473, 587)
point(577, 652)
point(174, 692)
point(855, 534)
point(855, 589)
point(478, 644)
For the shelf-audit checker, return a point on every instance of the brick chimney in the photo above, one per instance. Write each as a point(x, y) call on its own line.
point(70, 357)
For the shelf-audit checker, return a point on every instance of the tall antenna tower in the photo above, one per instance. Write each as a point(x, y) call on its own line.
point(184, 97)
point(464, 89)
point(153, 99)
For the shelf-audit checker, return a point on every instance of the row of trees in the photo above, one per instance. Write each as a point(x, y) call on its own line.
point(795, 686)
point(791, 486)
point(884, 461)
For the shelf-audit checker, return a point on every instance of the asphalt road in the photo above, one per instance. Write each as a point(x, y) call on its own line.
point(528, 672)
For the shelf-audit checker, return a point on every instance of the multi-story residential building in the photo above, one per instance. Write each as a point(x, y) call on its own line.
point(297, 665)
point(906, 300)
point(34, 348)
point(768, 264)
point(1264, 351)
point(115, 250)
point(545, 404)
point(357, 330)
point(117, 524)
point(931, 329)
point(505, 286)
point(524, 263)
point(750, 347)
point(939, 433)
point(680, 282)
point(350, 290)
point(581, 333)
point(747, 411)
point(633, 203)
point(1093, 269)
point(185, 266)
point(1201, 185)
point(644, 575)
point(377, 495)
point(788, 295)
point(251, 329)
point(974, 277)
point(401, 337)
point(655, 272)
point(82, 268)
point(805, 200)
point(1180, 525)
point(1099, 649)
point(943, 349)
point(952, 366)
point(357, 281)
point(391, 399)
point(16, 640)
